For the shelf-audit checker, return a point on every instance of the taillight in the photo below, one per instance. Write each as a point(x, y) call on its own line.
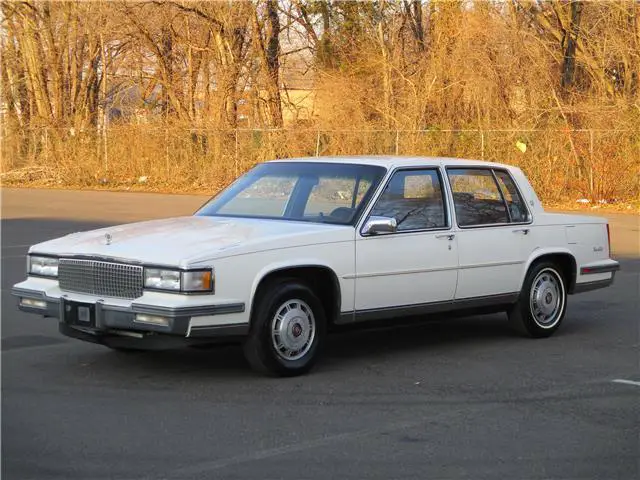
point(608, 238)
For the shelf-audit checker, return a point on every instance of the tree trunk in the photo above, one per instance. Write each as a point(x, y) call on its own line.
point(387, 84)
point(166, 63)
point(414, 11)
point(272, 53)
point(634, 27)
point(568, 67)
point(324, 50)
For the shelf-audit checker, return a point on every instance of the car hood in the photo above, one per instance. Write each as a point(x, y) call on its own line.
point(184, 241)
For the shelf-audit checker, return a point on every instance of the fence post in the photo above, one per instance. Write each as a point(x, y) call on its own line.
point(591, 162)
point(46, 145)
point(166, 151)
point(236, 153)
point(318, 143)
point(481, 144)
point(104, 147)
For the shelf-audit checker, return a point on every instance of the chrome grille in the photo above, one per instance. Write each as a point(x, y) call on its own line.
point(100, 278)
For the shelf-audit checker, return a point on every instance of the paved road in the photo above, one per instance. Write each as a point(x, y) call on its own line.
point(456, 399)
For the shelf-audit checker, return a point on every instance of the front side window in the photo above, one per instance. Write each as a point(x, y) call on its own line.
point(301, 191)
point(415, 199)
point(476, 197)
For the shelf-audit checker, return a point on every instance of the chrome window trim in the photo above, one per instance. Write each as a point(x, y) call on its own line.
point(524, 202)
point(382, 187)
point(504, 199)
point(492, 169)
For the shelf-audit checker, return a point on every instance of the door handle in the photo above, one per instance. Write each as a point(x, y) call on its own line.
point(524, 231)
point(449, 236)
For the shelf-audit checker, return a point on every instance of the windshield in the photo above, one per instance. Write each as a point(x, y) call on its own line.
point(300, 191)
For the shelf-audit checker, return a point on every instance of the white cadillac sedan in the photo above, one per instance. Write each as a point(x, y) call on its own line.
point(295, 246)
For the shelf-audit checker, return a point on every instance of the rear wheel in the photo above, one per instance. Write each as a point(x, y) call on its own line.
point(542, 304)
point(287, 329)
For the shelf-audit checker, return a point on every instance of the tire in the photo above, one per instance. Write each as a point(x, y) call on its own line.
point(542, 304)
point(288, 326)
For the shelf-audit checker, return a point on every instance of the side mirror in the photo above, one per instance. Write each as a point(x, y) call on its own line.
point(378, 225)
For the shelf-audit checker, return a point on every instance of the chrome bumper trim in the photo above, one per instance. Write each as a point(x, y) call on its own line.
point(613, 266)
point(109, 318)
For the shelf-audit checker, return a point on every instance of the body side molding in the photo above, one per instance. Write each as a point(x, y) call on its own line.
point(426, 308)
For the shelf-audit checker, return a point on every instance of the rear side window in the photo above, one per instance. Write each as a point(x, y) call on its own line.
point(515, 203)
point(476, 197)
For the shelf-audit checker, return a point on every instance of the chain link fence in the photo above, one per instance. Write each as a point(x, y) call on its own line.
point(600, 164)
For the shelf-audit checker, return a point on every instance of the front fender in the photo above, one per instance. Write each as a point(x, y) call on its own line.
point(270, 268)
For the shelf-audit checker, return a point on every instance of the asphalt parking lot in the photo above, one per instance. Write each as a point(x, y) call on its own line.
point(463, 398)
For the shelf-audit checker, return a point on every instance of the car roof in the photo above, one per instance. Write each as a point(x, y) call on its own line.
point(395, 161)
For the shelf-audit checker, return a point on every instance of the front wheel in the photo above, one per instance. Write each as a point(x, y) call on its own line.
point(542, 304)
point(287, 328)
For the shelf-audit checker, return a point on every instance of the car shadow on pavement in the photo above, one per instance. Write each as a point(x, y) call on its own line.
point(343, 350)
point(403, 339)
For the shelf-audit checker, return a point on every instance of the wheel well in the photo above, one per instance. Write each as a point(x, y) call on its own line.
point(322, 280)
point(567, 265)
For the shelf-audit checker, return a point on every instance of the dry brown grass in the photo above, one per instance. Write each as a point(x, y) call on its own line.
point(562, 165)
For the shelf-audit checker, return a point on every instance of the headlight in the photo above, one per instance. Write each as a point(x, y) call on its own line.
point(178, 281)
point(162, 279)
point(45, 266)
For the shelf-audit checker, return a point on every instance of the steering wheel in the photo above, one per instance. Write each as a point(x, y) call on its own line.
point(343, 213)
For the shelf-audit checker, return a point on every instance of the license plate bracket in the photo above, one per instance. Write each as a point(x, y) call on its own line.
point(80, 314)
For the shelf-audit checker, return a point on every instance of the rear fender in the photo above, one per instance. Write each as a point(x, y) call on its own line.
point(539, 253)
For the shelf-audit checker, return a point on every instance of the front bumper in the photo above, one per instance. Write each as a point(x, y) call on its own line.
point(96, 317)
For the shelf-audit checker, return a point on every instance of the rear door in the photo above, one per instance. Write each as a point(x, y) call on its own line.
point(492, 223)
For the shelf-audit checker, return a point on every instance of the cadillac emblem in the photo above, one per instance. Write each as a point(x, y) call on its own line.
point(107, 238)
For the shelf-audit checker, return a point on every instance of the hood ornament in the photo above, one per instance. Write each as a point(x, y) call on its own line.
point(107, 239)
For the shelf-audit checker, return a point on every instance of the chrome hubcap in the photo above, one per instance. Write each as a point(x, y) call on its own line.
point(293, 329)
point(547, 298)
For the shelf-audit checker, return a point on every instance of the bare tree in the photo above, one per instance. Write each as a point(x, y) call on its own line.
point(571, 38)
point(267, 33)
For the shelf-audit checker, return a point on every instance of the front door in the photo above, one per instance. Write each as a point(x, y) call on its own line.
point(417, 264)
